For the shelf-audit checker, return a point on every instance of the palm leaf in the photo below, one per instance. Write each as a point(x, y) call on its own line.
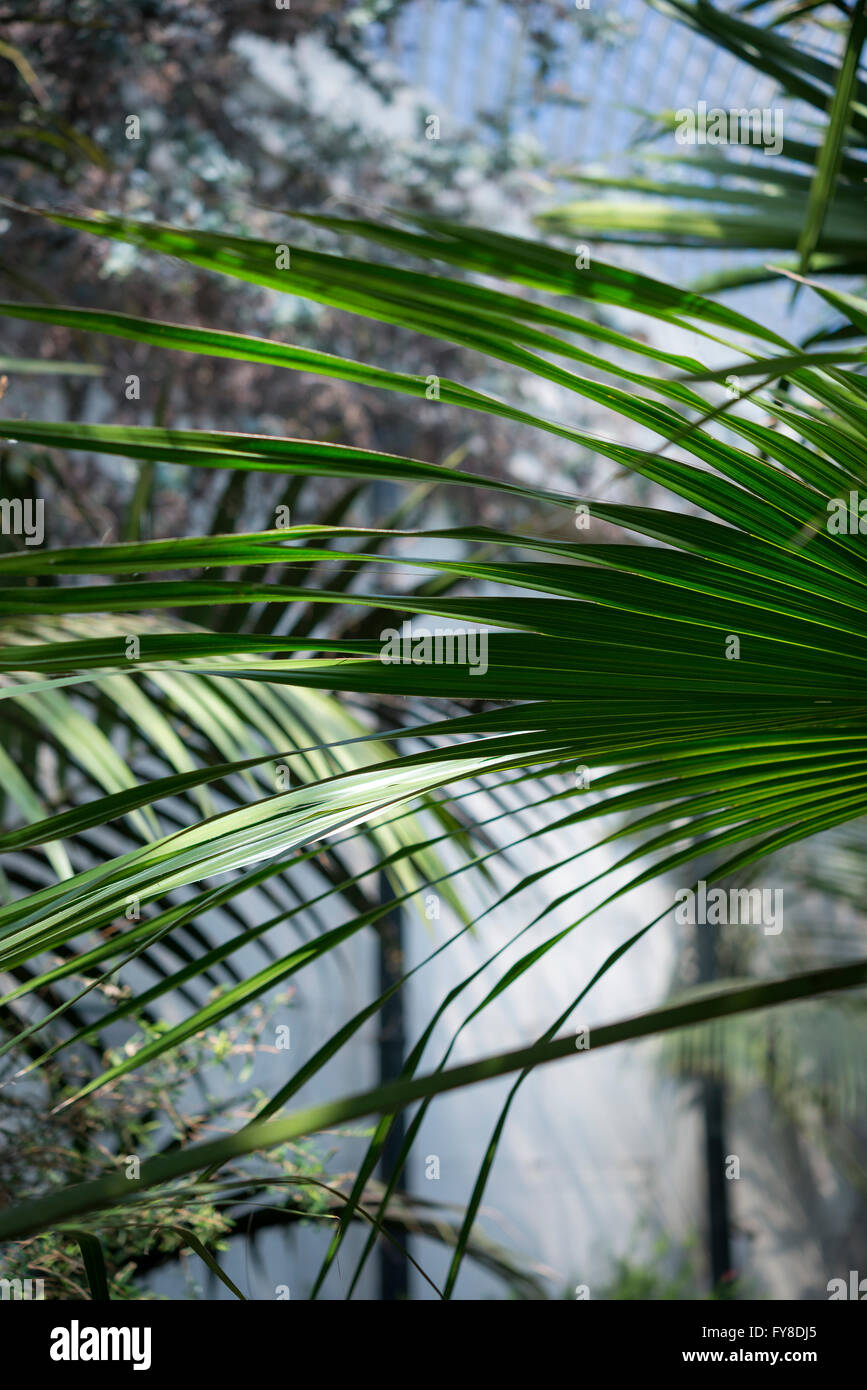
point(695, 754)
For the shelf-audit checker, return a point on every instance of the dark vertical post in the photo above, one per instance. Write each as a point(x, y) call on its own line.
point(393, 1265)
point(713, 1107)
